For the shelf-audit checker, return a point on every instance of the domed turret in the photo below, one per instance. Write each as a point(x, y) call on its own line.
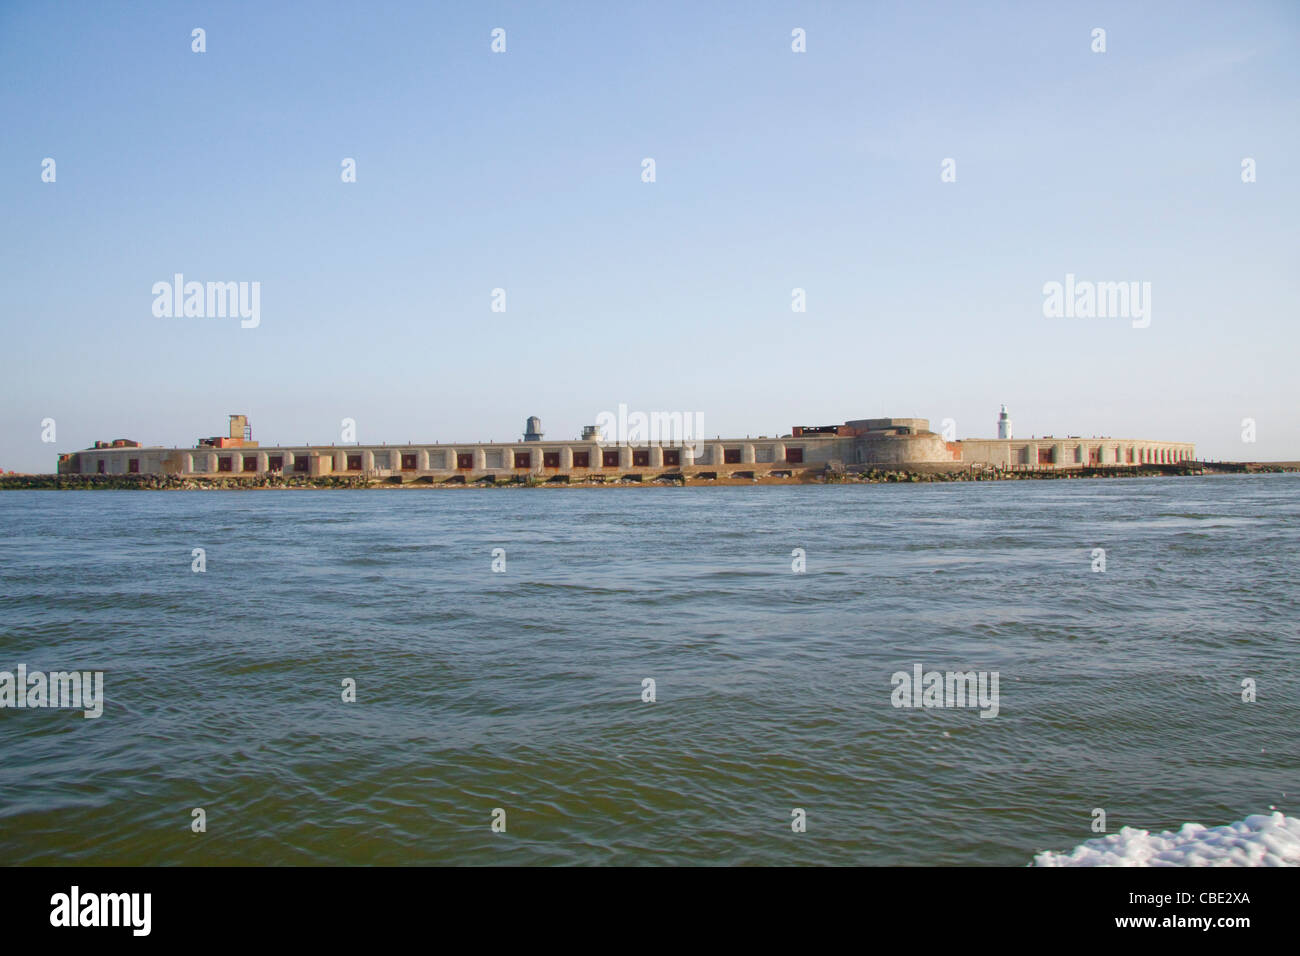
point(533, 429)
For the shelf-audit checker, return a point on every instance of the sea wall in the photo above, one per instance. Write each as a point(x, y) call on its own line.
point(831, 474)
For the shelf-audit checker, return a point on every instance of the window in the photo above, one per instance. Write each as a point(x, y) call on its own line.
point(609, 459)
point(672, 456)
point(551, 459)
point(731, 456)
point(301, 463)
point(465, 459)
point(354, 462)
point(225, 463)
point(101, 467)
point(133, 465)
point(275, 463)
point(408, 462)
point(641, 459)
point(582, 459)
point(794, 456)
point(250, 463)
point(523, 459)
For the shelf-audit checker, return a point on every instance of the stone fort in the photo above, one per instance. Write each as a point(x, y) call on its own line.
point(860, 444)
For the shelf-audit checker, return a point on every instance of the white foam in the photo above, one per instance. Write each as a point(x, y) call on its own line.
point(1259, 840)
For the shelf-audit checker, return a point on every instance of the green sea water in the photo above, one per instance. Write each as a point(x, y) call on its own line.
point(521, 690)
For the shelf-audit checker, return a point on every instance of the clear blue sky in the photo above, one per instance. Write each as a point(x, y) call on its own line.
point(522, 170)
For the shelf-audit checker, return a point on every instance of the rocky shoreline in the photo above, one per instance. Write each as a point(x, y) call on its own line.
point(828, 477)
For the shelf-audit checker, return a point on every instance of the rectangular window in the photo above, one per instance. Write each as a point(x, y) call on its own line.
point(641, 459)
point(465, 459)
point(250, 463)
point(1044, 456)
point(133, 465)
point(794, 456)
point(354, 462)
point(101, 466)
point(672, 456)
point(275, 463)
point(550, 459)
point(301, 463)
point(408, 462)
point(225, 463)
point(609, 459)
point(523, 459)
point(582, 459)
point(731, 456)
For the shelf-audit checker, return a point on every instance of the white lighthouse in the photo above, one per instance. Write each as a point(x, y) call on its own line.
point(1004, 424)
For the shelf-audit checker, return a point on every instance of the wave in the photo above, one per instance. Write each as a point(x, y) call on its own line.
point(1259, 840)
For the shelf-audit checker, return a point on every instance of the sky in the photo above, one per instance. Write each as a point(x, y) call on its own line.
point(522, 170)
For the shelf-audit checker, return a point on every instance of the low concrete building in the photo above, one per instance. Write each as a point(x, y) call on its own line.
point(890, 443)
point(1073, 452)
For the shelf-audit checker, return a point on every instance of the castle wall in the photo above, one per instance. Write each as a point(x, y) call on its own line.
point(1050, 452)
point(896, 443)
point(723, 456)
point(900, 450)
